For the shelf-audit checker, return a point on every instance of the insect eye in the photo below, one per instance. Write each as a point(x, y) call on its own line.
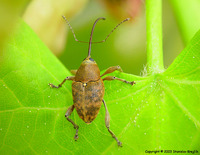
point(91, 59)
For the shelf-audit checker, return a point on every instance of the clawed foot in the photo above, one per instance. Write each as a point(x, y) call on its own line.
point(119, 144)
point(76, 135)
point(53, 86)
point(132, 83)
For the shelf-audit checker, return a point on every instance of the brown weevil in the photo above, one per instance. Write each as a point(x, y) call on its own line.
point(88, 87)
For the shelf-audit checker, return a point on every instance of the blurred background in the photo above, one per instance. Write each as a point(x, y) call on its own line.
point(125, 47)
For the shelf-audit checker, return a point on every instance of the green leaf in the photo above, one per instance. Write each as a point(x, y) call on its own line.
point(160, 112)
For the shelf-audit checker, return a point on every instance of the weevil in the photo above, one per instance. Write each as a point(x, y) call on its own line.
point(88, 87)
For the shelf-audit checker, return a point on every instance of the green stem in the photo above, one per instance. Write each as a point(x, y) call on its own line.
point(154, 36)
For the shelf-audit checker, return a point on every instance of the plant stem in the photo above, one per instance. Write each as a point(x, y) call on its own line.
point(154, 36)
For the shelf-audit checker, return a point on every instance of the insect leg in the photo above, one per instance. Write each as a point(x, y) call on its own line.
point(68, 113)
point(60, 85)
point(109, 78)
point(112, 69)
point(107, 122)
point(73, 71)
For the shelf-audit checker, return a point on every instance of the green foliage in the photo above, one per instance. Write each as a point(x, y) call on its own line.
point(160, 112)
point(9, 14)
point(187, 15)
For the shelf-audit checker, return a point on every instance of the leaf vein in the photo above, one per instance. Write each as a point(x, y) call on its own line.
point(181, 106)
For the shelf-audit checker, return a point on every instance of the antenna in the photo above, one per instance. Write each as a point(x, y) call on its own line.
point(127, 19)
point(90, 42)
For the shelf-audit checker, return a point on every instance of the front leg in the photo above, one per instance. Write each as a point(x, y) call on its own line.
point(60, 85)
point(109, 78)
point(112, 69)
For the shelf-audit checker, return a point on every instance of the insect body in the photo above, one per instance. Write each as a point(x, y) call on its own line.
point(88, 88)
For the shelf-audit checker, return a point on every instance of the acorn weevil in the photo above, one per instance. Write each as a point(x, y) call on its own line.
point(88, 87)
